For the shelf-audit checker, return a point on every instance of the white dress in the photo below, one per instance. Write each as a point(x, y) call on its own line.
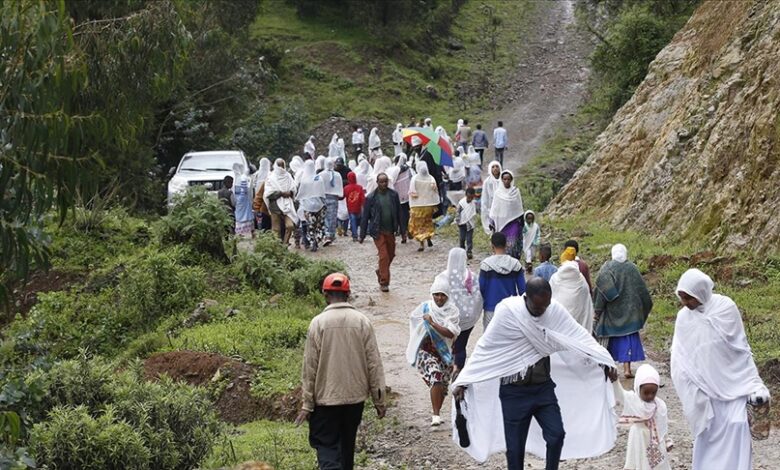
point(639, 434)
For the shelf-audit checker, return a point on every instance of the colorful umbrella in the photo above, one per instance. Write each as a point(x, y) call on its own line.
point(436, 145)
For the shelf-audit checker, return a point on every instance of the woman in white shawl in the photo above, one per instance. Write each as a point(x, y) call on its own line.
point(432, 327)
point(423, 199)
point(457, 174)
point(363, 171)
point(646, 414)
point(473, 170)
point(263, 169)
point(352, 164)
point(311, 198)
point(278, 197)
point(402, 178)
point(398, 139)
point(382, 165)
point(340, 149)
point(714, 374)
point(334, 192)
point(442, 133)
point(296, 165)
point(374, 145)
point(262, 218)
point(531, 238)
point(506, 213)
point(464, 293)
point(489, 188)
point(319, 163)
point(333, 146)
point(585, 398)
point(309, 148)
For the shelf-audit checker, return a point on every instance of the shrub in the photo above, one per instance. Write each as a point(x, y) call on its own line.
point(198, 220)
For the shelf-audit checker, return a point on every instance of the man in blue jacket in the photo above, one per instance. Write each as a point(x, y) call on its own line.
point(500, 276)
point(381, 220)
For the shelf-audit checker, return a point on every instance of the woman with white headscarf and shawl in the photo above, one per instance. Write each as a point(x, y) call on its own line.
point(296, 165)
point(622, 304)
point(714, 374)
point(647, 417)
point(278, 195)
point(334, 192)
point(382, 165)
point(242, 189)
point(340, 149)
point(311, 199)
point(442, 133)
point(473, 169)
point(319, 163)
point(262, 217)
point(432, 327)
point(586, 400)
point(398, 139)
point(333, 146)
point(374, 145)
point(525, 330)
point(464, 293)
point(309, 148)
point(423, 200)
point(531, 238)
point(363, 171)
point(457, 174)
point(402, 178)
point(506, 214)
point(489, 188)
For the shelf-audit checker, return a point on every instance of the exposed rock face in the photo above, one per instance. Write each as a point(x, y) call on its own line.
point(695, 152)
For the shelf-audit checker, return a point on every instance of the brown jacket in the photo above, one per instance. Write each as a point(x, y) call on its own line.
point(259, 203)
point(341, 362)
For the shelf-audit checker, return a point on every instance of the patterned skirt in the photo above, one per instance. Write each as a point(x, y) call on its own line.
point(315, 227)
point(244, 229)
point(430, 366)
point(421, 223)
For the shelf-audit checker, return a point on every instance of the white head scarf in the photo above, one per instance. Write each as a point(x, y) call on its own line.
point(711, 358)
point(352, 164)
point(398, 135)
point(319, 163)
point(363, 171)
point(333, 147)
point(402, 177)
point(382, 165)
point(281, 181)
point(489, 187)
point(507, 204)
point(636, 410)
point(373, 139)
point(570, 288)
point(447, 316)
point(428, 122)
point(424, 186)
point(620, 253)
point(331, 179)
point(263, 169)
point(311, 190)
point(464, 289)
point(296, 164)
point(308, 147)
point(340, 148)
point(458, 172)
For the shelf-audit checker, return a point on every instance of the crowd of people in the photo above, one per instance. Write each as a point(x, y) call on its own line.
point(552, 339)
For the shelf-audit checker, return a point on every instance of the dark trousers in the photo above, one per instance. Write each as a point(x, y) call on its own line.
point(385, 246)
point(481, 153)
point(404, 216)
point(520, 403)
point(500, 156)
point(466, 237)
point(459, 347)
point(332, 433)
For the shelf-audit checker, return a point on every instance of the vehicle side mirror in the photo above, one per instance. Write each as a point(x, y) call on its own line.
point(172, 171)
point(252, 167)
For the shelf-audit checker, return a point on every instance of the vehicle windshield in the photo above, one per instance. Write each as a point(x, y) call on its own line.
point(213, 162)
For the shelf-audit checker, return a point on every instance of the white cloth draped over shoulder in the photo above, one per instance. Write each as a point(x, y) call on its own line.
point(309, 147)
point(507, 204)
point(489, 187)
point(333, 147)
point(586, 399)
point(402, 177)
point(280, 180)
point(373, 139)
point(464, 288)
point(363, 171)
point(447, 316)
point(331, 179)
point(311, 190)
point(514, 341)
point(261, 174)
point(423, 186)
point(382, 165)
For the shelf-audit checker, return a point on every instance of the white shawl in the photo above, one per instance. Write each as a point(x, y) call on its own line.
point(458, 172)
point(398, 135)
point(507, 205)
point(571, 290)
point(261, 174)
point(340, 149)
point(309, 148)
point(514, 341)
point(464, 288)
point(281, 181)
point(333, 147)
point(530, 232)
point(636, 410)
point(382, 165)
point(373, 139)
point(311, 190)
point(489, 187)
point(711, 358)
point(331, 179)
point(422, 188)
point(447, 316)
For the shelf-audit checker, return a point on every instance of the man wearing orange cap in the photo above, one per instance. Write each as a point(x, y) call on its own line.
point(342, 367)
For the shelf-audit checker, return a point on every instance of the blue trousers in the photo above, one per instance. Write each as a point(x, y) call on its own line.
point(354, 224)
point(459, 347)
point(520, 403)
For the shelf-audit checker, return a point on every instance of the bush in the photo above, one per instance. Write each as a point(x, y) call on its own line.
point(197, 219)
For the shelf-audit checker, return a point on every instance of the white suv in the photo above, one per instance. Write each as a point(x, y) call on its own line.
point(204, 169)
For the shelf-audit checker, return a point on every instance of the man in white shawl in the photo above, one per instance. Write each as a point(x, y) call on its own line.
point(309, 148)
point(585, 398)
point(278, 197)
point(489, 187)
point(511, 363)
point(714, 374)
point(432, 327)
point(398, 139)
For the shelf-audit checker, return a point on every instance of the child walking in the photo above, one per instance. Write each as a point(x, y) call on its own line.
point(648, 441)
point(356, 197)
point(466, 219)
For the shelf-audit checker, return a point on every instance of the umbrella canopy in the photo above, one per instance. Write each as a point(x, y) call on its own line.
point(436, 145)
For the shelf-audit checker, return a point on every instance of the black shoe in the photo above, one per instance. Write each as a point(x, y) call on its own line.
point(430, 243)
point(469, 255)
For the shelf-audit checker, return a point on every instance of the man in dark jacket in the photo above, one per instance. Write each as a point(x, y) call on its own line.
point(381, 220)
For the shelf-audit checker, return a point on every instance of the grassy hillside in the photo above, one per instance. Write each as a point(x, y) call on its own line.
point(342, 70)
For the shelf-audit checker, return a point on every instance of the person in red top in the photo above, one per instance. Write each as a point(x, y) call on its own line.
point(356, 197)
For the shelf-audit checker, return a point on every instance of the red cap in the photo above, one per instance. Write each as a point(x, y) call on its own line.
point(336, 282)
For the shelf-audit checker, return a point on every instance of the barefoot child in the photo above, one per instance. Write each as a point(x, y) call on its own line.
point(648, 441)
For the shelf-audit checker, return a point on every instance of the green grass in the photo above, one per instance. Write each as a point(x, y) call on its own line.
point(282, 445)
point(341, 70)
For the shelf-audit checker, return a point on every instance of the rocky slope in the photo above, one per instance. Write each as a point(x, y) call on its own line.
point(695, 152)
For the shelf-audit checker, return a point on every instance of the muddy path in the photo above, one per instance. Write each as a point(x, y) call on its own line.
point(550, 81)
